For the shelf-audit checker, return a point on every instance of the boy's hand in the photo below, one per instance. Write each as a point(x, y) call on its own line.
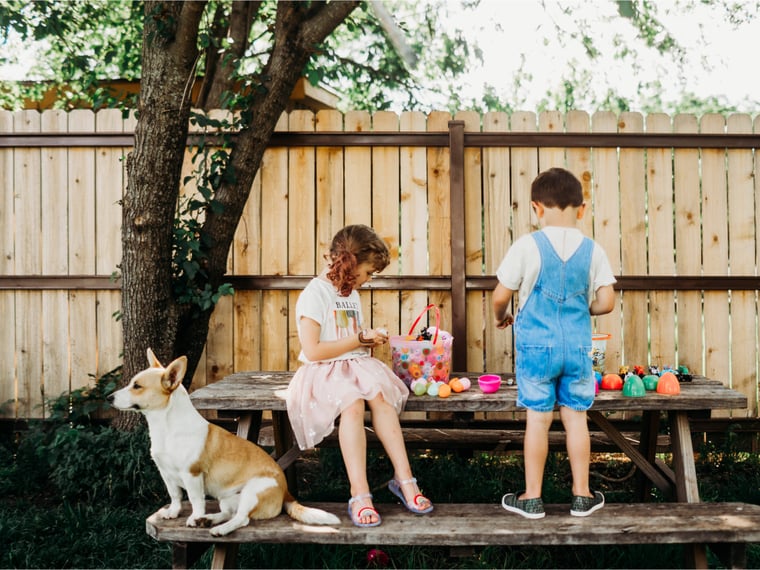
point(505, 322)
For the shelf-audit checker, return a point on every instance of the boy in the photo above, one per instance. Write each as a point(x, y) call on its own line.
point(562, 278)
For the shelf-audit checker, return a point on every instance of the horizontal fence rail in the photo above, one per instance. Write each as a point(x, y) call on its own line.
point(671, 199)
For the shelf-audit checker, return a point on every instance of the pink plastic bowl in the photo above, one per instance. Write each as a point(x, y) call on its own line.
point(489, 383)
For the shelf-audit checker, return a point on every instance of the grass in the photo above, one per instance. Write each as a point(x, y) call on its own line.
point(75, 495)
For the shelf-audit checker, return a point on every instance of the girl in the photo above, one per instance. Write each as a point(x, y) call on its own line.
point(339, 376)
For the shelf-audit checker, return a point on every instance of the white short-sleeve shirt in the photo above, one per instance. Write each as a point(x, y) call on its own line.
point(339, 317)
point(521, 265)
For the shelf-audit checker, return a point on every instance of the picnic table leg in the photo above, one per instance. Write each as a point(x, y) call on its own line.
point(284, 445)
point(249, 425)
point(225, 555)
point(687, 490)
point(652, 471)
point(650, 427)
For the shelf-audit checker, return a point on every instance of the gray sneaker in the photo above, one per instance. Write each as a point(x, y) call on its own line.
point(584, 506)
point(528, 508)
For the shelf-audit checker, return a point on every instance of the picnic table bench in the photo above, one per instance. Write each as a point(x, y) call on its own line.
point(726, 526)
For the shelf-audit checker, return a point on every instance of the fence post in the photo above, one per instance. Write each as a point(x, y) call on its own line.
point(458, 277)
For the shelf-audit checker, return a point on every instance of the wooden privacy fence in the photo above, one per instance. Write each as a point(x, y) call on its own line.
point(671, 199)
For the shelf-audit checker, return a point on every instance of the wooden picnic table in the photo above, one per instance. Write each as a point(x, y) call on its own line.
point(248, 394)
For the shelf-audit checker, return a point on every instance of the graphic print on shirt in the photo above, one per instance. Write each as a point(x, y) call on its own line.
point(346, 315)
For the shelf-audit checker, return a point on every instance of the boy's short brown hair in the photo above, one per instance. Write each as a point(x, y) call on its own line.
point(557, 188)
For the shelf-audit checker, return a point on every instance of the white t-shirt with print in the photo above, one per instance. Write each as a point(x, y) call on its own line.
point(339, 317)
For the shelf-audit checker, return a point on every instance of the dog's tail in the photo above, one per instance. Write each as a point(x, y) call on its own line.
point(308, 515)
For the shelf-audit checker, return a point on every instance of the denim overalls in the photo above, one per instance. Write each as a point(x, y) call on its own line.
point(553, 333)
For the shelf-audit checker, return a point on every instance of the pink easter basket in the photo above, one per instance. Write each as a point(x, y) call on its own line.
point(426, 359)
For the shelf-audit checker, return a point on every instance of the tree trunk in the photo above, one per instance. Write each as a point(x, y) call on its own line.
point(149, 313)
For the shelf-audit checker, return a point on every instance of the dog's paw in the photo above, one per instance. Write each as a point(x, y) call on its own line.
point(198, 521)
point(167, 513)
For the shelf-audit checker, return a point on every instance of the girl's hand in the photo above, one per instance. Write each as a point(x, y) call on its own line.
point(373, 337)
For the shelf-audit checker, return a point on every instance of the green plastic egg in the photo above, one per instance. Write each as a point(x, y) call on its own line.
point(420, 388)
point(650, 381)
point(634, 387)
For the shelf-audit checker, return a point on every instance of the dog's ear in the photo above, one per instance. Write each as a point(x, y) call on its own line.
point(174, 374)
point(152, 360)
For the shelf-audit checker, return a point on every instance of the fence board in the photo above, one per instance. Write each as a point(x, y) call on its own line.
point(54, 243)
point(499, 236)
point(110, 184)
point(274, 258)
point(478, 315)
point(633, 215)
point(715, 252)
point(82, 258)
point(8, 378)
point(660, 242)
point(606, 199)
point(688, 233)
point(742, 241)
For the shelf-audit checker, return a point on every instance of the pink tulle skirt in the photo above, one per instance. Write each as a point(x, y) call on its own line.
point(320, 391)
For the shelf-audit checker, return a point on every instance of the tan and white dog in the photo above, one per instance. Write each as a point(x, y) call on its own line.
point(205, 459)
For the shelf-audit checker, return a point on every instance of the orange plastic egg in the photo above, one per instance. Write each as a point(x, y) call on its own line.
point(668, 384)
point(612, 382)
point(444, 391)
point(456, 385)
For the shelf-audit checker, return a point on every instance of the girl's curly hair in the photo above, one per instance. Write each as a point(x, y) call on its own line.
point(352, 246)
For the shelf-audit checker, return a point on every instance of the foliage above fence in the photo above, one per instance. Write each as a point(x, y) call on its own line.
point(672, 201)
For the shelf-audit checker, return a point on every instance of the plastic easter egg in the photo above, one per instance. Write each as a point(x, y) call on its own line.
point(444, 391)
point(634, 387)
point(432, 389)
point(419, 387)
point(612, 382)
point(465, 383)
point(650, 381)
point(456, 385)
point(668, 384)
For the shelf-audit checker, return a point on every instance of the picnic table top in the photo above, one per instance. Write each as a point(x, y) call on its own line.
point(265, 390)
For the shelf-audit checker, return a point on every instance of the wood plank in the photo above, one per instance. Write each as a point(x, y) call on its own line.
point(633, 217)
point(381, 308)
point(688, 256)
point(606, 208)
point(82, 252)
point(274, 258)
point(247, 253)
point(28, 261)
point(330, 190)
point(742, 234)
point(497, 239)
point(413, 234)
point(616, 523)
point(110, 185)
point(8, 378)
point(476, 310)
point(265, 390)
point(715, 223)
point(660, 215)
point(56, 372)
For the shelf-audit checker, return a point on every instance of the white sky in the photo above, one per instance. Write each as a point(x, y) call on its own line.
point(722, 58)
